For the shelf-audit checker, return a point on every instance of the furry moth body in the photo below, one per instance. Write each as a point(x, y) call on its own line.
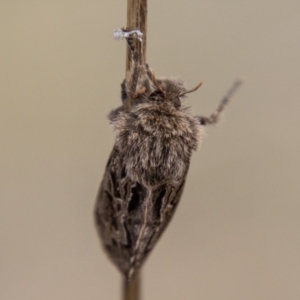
point(146, 171)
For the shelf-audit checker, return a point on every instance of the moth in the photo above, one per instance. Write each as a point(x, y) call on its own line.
point(147, 168)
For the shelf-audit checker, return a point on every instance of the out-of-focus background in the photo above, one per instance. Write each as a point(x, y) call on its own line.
point(236, 233)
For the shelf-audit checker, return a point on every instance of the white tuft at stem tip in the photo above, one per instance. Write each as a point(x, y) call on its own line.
point(120, 34)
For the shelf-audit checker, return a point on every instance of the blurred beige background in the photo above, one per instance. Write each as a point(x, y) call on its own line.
point(236, 234)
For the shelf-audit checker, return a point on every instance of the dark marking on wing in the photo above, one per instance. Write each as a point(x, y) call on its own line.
point(135, 200)
point(115, 184)
point(158, 201)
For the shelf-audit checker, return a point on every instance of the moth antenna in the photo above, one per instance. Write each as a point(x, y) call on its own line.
point(214, 117)
point(192, 90)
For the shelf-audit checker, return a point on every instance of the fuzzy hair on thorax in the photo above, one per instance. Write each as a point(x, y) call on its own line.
point(154, 132)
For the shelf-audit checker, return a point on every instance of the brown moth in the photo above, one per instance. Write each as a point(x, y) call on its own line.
point(147, 168)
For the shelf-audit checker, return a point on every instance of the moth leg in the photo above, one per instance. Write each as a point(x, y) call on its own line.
point(134, 53)
point(140, 92)
point(147, 84)
point(149, 73)
point(152, 77)
point(123, 91)
point(135, 69)
point(214, 117)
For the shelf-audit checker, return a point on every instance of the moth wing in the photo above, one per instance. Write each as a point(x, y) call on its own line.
point(129, 216)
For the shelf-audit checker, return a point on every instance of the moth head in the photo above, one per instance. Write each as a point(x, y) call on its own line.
point(169, 90)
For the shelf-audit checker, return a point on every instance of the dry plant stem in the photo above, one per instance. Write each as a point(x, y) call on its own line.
point(137, 19)
point(131, 289)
